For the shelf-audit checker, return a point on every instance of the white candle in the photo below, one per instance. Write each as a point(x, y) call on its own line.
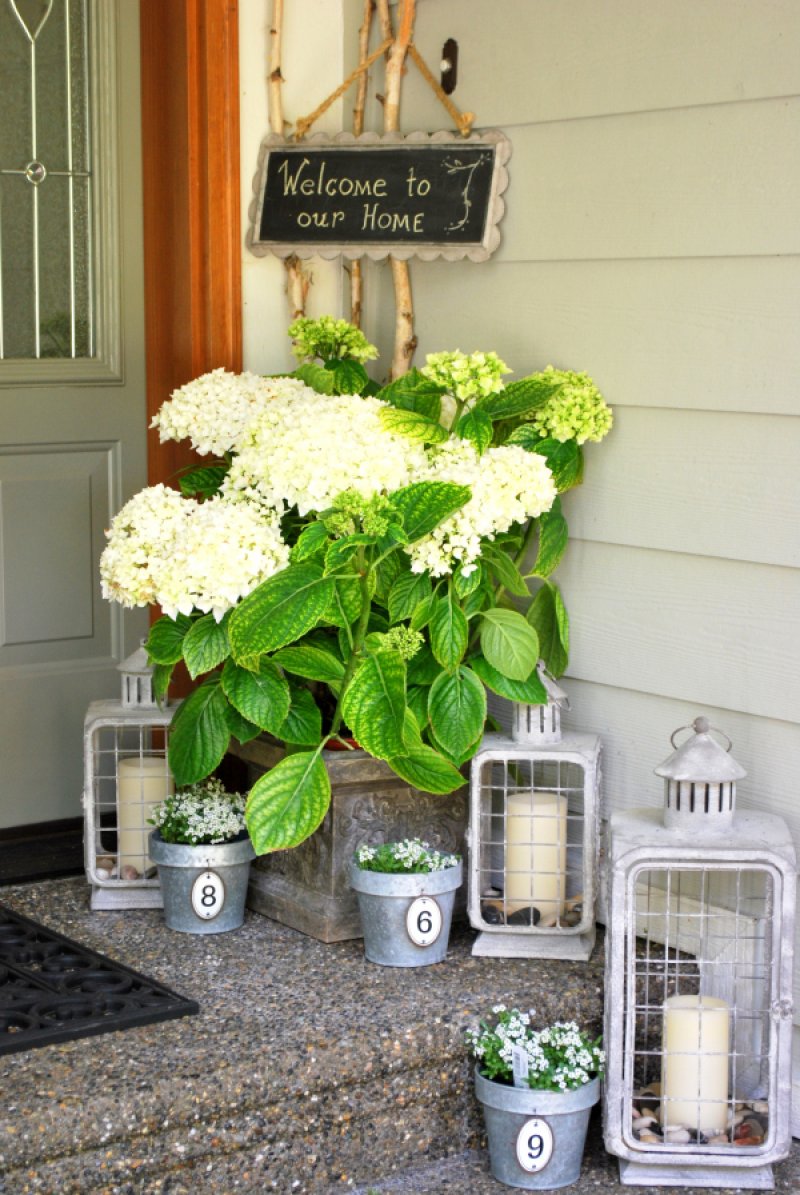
point(536, 853)
point(142, 783)
point(694, 1067)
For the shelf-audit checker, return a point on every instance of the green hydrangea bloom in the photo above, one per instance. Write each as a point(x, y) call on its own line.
point(329, 339)
point(403, 640)
point(467, 378)
point(577, 411)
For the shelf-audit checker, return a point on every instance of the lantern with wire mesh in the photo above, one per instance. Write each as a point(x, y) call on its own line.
point(698, 1016)
point(125, 776)
point(534, 801)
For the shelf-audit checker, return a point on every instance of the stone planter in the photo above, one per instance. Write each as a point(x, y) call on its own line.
point(405, 918)
point(308, 887)
point(204, 887)
point(536, 1138)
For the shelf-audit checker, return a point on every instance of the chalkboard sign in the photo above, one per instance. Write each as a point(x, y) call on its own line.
point(423, 195)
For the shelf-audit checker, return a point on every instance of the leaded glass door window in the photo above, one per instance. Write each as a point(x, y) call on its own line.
point(57, 301)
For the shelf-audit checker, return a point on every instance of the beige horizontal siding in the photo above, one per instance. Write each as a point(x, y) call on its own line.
point(560, 59)
point(718, 632)
point(710, 334)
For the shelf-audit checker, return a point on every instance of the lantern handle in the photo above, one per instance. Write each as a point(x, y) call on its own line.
point(701, 726)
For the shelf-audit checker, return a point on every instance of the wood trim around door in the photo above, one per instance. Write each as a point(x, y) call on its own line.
point(192, 226)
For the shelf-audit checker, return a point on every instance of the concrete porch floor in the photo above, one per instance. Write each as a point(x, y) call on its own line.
point(307, 1070)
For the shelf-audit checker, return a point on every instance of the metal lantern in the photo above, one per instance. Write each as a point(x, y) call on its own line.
point(532, 837)
point(698, 1016)
point(125, 776)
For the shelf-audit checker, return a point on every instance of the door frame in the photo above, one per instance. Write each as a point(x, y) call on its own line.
point(191, 201)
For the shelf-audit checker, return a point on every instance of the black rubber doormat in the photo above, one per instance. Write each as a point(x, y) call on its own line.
point(53, 990)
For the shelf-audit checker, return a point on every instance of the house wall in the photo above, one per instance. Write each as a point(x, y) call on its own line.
point(651, 239)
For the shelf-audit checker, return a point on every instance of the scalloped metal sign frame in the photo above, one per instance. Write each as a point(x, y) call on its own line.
point(423, 195)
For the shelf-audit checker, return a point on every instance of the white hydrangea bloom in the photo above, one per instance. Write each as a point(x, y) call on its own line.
point(215, 411)
point(185, 555)
point(509, 485)
point(305, 449)
point(226, 549)
point(140, 540)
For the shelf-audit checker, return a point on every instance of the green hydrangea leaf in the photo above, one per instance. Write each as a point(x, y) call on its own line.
point(406, 593)
point(553, 536)
point(449, 632)
point(457, 709)
point(530, 691)
point(199, 734)
point(319, 379)
point(423, 669)
point(519, 398)
point(505, 570)
point(413, 425)
point(476, 426)
point(242, 730)
point(310, 660)
point(261, 697)
point(427, 770)
point(418, 704)
point(162, 675)
point(165, 642)
point(509, 643)
point(349, 377)
point(204, 481)
point(312, 541)
point(548, 616)
point(303, 723)
point(463, 584)
point(414, 392)
point(206, 644)
point(425, 504)
point(564, 457)
point(280, 610)
point(288, 803)
point(374, 704)
point(346, 600)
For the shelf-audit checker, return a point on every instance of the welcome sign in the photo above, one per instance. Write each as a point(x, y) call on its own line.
point(422, 195)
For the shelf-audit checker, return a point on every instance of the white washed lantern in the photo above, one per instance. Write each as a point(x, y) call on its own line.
point(698, 1015)
point(532, 837)
point(125, 776)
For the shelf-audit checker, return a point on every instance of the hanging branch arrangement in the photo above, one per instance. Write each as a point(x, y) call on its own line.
point(356, 273)
point(298, 278)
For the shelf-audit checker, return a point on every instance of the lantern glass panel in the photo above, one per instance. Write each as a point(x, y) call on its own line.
point(699, 966)
point(531, 843)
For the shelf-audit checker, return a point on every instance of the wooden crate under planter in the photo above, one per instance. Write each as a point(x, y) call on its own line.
point(307, 887)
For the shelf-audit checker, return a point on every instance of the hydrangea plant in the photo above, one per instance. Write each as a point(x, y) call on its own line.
point(354, 559)
point(560, 1057)
point(200, 815)
point(411, 856)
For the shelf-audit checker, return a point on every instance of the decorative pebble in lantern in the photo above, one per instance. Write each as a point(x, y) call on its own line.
point(125, 775)
point(698, 1015)
point(532, 837)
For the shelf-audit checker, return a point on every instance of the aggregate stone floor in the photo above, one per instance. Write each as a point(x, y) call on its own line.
point(308, 1070)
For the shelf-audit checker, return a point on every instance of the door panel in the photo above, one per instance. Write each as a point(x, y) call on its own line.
point(72, 393)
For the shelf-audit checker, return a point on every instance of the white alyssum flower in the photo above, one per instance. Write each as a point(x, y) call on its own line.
point(202, 814)
point(304, 449)
point(509, 485)
point(186, 555)
point(215, 411)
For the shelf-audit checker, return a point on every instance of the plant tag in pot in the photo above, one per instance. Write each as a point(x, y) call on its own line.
point(519, 1066)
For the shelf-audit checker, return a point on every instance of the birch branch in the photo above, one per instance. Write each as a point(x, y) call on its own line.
point(356, 272)
point(405, 340)
point(298, 279)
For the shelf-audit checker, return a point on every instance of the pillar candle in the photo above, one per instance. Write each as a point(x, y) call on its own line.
point(536, 853)
point(142, 783)
point(694, 1067)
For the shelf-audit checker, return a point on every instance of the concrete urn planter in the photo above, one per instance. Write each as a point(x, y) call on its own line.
point(308, 887)
point(406, 918)
point(204, 887)
point(536, 1138)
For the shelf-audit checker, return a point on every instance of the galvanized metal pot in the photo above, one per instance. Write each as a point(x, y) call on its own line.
point(405, 918)
point(204, 887)
point(536, 1138)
